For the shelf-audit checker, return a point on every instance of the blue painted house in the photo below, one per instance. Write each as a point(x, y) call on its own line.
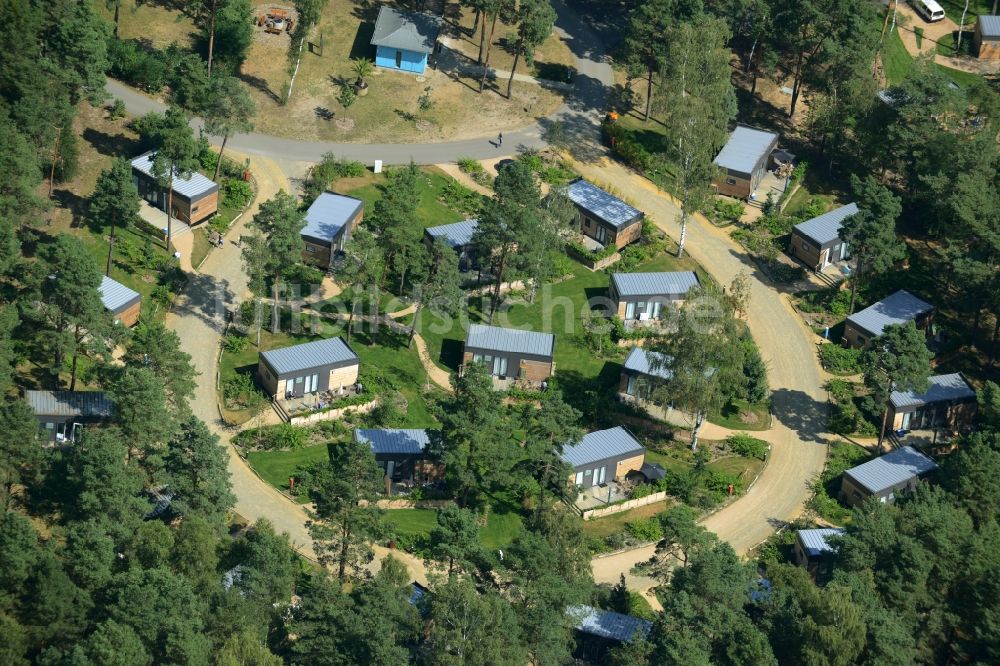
point(404, 40)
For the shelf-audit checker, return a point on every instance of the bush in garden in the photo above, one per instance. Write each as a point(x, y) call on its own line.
point(744, 445)
point(236, 193)
point(840, 360)
point(645, 529)
point(234, 344)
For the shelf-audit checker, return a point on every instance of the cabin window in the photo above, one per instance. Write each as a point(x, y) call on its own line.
point(311, 249)
point(586, 222)
point(50, 426)
point(730, 181)
point(856, 495)
point(195, 209)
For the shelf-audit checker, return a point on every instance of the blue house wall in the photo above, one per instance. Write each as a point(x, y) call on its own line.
point(411, 61)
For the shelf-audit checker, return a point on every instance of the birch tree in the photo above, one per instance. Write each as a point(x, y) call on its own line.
point(698, 101)
point(702, 355)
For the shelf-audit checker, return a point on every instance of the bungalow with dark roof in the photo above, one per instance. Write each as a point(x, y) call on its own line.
point(404, 40)
point(61, 414)
point(600, 631)
point(813, 551)
point(948, 402)
point(123, 303)
point(743, 161)
point(603, 216)
point(885, 476)
point(458, 236)
point(602, 456)
point(641, 371)
point(196, 197)
point(510, 353)
point(641, 296)
point(400, 453)
point(817, 242)
point(986, 38)
point(321, 365)
point(329, 222)
point(895, 309)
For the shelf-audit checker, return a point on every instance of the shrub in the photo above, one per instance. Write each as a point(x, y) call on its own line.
point(280, 437)
point(136, 66)
point(744, 445)
point(236, 193)
point(424, 101)
point(558, 174)
point(347, 96)
point(727, 210)
point(458, 197)
point(116, 109)
point(470, 166)
point(776, 223)
point(235, 343)
point(645, 529)
point(532, 160)
point(237, 389)
point(840, 360)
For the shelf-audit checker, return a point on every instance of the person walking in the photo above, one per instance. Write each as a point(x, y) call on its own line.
point(499, 139)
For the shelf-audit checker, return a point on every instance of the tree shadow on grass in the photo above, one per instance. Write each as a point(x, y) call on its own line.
point(112, 145)
point(261, 85)
point(74, 203)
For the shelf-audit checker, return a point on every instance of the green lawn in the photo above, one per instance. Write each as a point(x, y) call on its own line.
point(603, 527)
point(276, 467)
point(730, 417)
point(896, 60)
point(557, 309)
point(431, 211)
point(500, 530)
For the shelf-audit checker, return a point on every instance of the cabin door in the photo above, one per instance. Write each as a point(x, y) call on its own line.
point(399, 60)
point(602, 234)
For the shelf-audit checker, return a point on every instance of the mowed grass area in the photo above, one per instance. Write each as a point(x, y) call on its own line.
point(615, 523)
point(391, 110)
point(276, 467)
point(432, 209)
point(499, 531)
point(557, 309)
point(156, 24)
point(897, 61)
point(390, 356)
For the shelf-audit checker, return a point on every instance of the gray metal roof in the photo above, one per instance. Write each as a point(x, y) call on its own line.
point(409, 31)
point(600, 445)
point(456, 234)
point(814, 541)
point(606, 206)
point(943, 388)
point(897, 308)
point(115, 296)
point(608, 624)
point(510, 340)
point(315, 354)
point(989, 26)
point(192, 187)
point(745, 148)
point(69, 403)
point(328, 214)
point(649, 363)
point(891, 469)
point(654, 284)
point(826, 227)
point(394, 440)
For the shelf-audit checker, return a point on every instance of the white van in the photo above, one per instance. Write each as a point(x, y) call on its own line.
point(929, 9)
